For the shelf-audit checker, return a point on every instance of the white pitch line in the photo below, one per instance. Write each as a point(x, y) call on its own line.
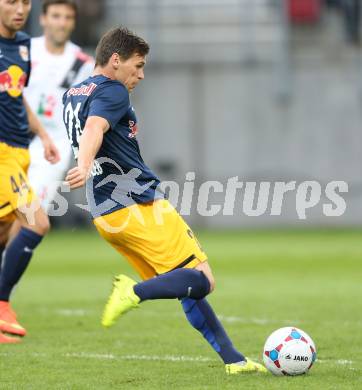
point(344, 362)
point(226, 319)
point(167, 358)
point(71, 312)
point(340, 362)
point(107, 356)
point(90, 355)
point(178, 359)
point(257, 321)
point(172, 358)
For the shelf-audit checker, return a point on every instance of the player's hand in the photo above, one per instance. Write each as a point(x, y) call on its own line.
point(51, 152)
point(77, 177)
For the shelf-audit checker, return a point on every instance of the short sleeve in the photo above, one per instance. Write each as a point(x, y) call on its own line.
point(109, 101)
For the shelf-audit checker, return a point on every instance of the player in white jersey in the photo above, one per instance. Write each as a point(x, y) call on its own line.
point(57, 63)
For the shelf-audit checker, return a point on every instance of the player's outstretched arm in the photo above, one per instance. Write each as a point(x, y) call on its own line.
point(50, 150)
point(89, 144)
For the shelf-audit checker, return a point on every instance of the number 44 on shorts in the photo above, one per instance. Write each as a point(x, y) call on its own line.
point(19, 186)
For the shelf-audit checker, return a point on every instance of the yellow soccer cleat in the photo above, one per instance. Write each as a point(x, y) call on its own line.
point(121, 300)
point(248, 366)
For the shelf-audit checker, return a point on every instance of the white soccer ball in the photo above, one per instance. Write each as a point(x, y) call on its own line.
point(289, 351)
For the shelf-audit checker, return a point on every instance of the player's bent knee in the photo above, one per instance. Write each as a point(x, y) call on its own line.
point(41, 225)
point(42, 222)
point(199, 282)
point(212, 284)
point(205, 268)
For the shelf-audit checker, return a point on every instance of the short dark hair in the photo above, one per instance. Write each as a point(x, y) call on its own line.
point(122, 41)
point(47, 3)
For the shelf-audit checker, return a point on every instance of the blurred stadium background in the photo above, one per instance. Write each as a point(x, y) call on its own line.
point(266, 90)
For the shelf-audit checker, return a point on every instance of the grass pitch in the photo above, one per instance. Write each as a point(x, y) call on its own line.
point(265, 280)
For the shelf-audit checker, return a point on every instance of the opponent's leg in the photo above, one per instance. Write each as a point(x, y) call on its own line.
point(16, 259)
point(45, 178)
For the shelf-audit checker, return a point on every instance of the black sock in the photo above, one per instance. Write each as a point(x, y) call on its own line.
point(180, 283)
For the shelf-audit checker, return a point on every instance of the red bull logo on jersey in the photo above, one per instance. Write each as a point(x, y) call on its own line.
point(13, 81)
point(134, 129)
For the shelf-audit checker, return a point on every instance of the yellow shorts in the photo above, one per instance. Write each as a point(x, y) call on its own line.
point(15, 190)
point(153, 237)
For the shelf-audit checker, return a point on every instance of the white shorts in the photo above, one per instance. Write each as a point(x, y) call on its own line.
point(45, 178)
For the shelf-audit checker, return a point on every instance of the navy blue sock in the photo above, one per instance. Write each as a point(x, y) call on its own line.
point(16, 259)
point(202, 317)
point(179, 283)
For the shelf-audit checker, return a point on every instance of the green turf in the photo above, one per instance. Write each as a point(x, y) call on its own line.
point(265, 280)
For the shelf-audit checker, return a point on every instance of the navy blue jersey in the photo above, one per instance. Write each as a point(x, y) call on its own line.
point(120, 177)
point(14, 76)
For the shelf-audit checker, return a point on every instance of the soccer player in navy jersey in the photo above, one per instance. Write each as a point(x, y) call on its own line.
point(17, 198)
point(128, 208)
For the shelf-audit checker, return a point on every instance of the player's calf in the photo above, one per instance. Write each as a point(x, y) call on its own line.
point(202, 317)
point(16, 259)
point(20, 250)
point(179, 283)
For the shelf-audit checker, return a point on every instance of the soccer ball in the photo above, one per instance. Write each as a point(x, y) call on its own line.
point(289, 351)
